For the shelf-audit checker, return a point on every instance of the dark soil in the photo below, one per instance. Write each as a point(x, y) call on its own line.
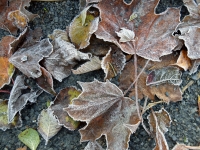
point(185, 127)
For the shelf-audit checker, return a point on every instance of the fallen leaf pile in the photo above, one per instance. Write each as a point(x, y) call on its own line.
point(126, 40)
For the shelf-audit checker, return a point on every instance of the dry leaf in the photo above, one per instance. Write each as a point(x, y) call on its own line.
point(166, 91)
point(22, 148)
point(184, 61)
point(7, 69)
point(190, 29)
point(27, 59)
point(18, 99)
point(45, 81)
point(93, 146)
point(48, 124)
point(62, 100)
point(93, 64)
point(13, 15)
point(105, 109)
point(153, 33)
point(82, 27)
point(159, 121)
point(199, 104)
point(4, 124)
point(59, 33)
point(64, 57)
point(185, 147)
point(113, 63)
point(126, 35)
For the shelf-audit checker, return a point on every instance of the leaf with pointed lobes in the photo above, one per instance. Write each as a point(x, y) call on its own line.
point(45, 81)
point(83, 26)
point(7, 69)
point(18, 98)
point(165, 91)
point(62, 100)
point(63, 58)
point(153, 32)
point(13, 15)
point(159, 121)
point(48, 125)
point(104, 108)
point(113, 63)
point(189, 29)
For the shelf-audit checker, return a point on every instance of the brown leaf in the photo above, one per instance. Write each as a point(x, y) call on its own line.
point(159, 121)
point(190, 29)
point(82, 27)
point(62, 100)
point(184, 61)
point(93, 64)
point(13, 15)
point(166, 91)
point(185, 147)
point(7, 69)
point(64, 57)
point(153, 33)
point(59, 33)
point(105, 109)
point(22, 148)
point(45, 81)
point(113, 63)
point(18, 99)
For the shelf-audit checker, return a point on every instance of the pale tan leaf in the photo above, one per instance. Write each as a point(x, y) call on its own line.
point(93, 146)
point(125, 35)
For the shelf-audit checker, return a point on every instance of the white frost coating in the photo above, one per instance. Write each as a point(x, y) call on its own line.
point(125, 35)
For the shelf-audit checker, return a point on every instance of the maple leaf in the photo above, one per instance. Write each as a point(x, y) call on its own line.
point(93, 146)
point(13, 15)
point(65, 56)
point(106, 111)
point(165, 91)
point(153, 33)
point(159, 121)
point(190, 29)
point(7, 69)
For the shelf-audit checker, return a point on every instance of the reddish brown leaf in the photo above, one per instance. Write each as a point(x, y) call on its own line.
point(159, 121)
point(62, 100)
point(165, 91)
point(153, 33)
point(113, 63)
point(45, 81)
point(13, 15)
point(106, 111)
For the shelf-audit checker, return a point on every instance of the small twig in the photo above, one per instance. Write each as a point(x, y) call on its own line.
point(4, 91)
point(187, 86)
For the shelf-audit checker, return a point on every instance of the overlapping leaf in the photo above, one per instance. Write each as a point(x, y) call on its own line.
point(105, 109)
point(153, 33)
point(7, 69)
point(13, 15)
point(65, 56)
point(93, 146)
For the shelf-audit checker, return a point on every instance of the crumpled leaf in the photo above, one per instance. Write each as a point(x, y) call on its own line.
point(59, 33)
point(18, 99)
point(153, 33)
point(27, 59)
point(62, 100)
point(168, 74)
point(190, 29)
point(166, 91)
point(93, 64)
point(113, 63)
point(125, 35)
point(45, 81)
point(194, 67)
point(82, 27)
point(64, 57)
point(7, 69)
point(48, 124)
point(159, 121)
point(185, 147)
point(4, 125)
point(105, 109)
point(184, 61)
point(30, 138)
point(93, 146)
point(13, 15)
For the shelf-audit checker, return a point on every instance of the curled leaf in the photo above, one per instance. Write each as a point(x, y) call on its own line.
point(125, 35)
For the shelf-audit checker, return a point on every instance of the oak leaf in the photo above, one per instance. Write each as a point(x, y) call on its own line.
point(7, 69)
point(104, 108)
point(64, 57)
point(13, 15)
point(153, 32)
point(48, 125)
point(165, 91)
point(62, 100)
